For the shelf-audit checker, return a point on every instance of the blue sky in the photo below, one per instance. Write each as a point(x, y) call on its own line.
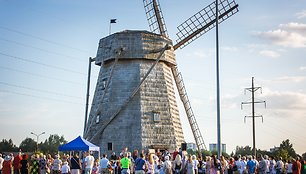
point(45, 45)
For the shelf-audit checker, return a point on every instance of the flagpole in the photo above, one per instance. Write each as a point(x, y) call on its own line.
point(110, 24)
point(110, 27)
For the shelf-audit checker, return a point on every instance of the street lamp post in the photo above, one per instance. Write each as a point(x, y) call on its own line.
point(37, 137)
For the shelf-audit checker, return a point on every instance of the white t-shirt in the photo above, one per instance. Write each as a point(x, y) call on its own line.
point(89, 160)
point(195, 164)
point(243, 165)
point(65, 168)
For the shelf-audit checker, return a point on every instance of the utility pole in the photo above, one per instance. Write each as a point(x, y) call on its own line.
point(218, 84)
point(87, 93)
point(253, 90)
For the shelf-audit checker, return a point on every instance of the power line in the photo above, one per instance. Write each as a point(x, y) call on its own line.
point(43, 64)
point(41, 76)
point(40, 97)
point(42, 39)
point(40, 49)
point(253, 90)
point(40, 90)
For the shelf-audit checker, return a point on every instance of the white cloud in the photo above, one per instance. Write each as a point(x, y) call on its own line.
point(303, 68)
point(285, 103)
point(291, 79)
point(301, 14)
point(229, 48)
point(269, 53)
point(293, 26)
point(285, 38)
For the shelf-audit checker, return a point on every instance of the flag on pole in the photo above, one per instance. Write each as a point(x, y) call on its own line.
point(113, 21)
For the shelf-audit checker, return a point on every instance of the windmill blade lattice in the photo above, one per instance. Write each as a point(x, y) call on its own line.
point(155, 17)
point(203, 21)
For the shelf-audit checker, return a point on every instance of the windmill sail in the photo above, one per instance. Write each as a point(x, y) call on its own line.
point(155, 17)
point(203, 21)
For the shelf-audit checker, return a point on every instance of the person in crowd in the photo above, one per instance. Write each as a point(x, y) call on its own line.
point(156, 164)
point(224, 165)
point(190, 165)
point(135, 155)
point(251, 165)
point(262, 169)
point(177, 164)
point(296, 166)
point(113, 157)
point(215, 164)
point(166, 153)
point(279, 165)
point(49, 163)
point(56, 165)
point(65, 168)
point(176, 151)
point(125, 164)
point(288, 166)
point(1, 163)
point(16, 163)
point(268, 164)
point(43, 164)
point(104, 164)
point(7, 165)
point(195, 164)
point(184, 162)
point(113, 167)
point(208, 165)
point(95, 168)
point(243, 163)
point(150, 164)
point(24, 169)
point(89, 162)
point(167, 166)
point(237, 165)
point(76, 165)
point(201, 169)
point(132, 166)
point(35, 164)
point(272, 165)
point(303, 166)
point(140, 164)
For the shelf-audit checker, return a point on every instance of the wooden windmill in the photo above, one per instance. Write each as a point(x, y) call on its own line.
point(134, 104)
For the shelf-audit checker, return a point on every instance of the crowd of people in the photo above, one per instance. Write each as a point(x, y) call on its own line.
point(178, 162)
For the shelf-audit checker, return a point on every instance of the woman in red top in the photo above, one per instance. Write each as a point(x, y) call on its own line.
point(7, 165)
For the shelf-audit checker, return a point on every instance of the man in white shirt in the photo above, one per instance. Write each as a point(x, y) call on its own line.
point(104, 164)
point(279, 166)
point(243, 164)
point(89, 162)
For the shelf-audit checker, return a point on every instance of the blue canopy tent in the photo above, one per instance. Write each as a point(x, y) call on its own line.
point(79, 144)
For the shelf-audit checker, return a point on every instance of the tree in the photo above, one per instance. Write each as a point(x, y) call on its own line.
point(8, 146)
point(52, 143)
point(304, 156)
point(243, 151)
point(288, 147)
point(28, 145)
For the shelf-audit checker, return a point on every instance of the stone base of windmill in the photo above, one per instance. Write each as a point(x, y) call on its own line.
point(151, 118)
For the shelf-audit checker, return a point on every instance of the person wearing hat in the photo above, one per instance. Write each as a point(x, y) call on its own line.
point(57, 165)
point(1, 163)
point(7, 165)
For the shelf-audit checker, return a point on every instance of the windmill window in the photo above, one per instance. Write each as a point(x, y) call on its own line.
point(104, 83)
point(97, 118)
point(156, 116)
